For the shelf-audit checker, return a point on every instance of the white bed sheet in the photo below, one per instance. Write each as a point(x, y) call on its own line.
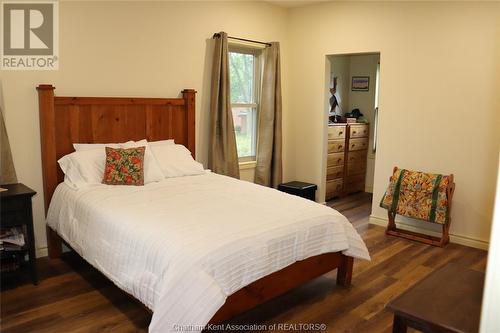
point(183, 245)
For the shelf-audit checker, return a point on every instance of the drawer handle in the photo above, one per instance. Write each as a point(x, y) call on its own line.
point(353, 132)
point(340, 133)
point(340, 146)
point(353, 145)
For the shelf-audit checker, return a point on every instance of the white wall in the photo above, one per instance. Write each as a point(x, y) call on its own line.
point(490, 321)
point(247, 171)
point(152, 49)
point(437, 98)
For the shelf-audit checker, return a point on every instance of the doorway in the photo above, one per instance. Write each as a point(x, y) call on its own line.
point(352, 123)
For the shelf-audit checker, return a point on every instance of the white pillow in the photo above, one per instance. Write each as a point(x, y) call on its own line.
point(86, 166)
point(72, 176)
point(161, 142)
point(176, 160)
point(90, 146)
point(152, 171)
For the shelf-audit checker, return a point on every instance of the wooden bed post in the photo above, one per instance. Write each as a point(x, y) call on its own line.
point(189, 97)
point(47, 140)
point(49, 158)
point(54, 243)
point(344, 272)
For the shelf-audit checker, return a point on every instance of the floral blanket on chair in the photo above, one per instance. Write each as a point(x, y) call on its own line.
point(418, 195)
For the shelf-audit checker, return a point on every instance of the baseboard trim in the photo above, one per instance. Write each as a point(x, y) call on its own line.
point(454, 238)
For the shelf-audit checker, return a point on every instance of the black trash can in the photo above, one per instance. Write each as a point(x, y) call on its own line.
point(301, 189)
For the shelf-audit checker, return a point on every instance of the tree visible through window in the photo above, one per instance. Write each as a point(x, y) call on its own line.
point(244, 78)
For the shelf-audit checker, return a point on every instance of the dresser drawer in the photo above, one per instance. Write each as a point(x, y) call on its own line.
point(357, 156)
point(334, 188)
point(335, 159)
point(334, 172)
point(354, 187)
point(358, 144)
point(356, 168)
point(335, 146)
point(358, 131)
point(359, 178)
point(336, 132)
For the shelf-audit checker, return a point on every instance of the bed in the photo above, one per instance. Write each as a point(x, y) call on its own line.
point(194, 250)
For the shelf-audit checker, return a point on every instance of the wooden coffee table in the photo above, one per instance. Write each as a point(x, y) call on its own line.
point(448, 300)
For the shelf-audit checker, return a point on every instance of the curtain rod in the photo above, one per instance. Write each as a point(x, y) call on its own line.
point(243, 39)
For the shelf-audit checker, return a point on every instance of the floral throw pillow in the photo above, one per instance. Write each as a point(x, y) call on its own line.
point(124, 166)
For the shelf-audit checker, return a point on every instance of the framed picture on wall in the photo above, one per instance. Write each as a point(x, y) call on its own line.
point(360, 83)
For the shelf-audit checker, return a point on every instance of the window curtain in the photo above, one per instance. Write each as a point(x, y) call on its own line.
point(269, 168)
point(223, 154)
point(8, 173)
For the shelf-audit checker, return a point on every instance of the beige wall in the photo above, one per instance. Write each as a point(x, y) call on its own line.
point(150, 49)
point(438, 94)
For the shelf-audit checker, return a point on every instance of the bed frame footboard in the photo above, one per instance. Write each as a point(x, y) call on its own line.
point(266, 288)
point(284, 280)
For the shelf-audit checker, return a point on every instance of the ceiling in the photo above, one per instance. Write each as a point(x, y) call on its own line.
point(280, 3)
point(294, 3)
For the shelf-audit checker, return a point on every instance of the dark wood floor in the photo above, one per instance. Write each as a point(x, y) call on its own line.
point(356, 207)
point(73, 297)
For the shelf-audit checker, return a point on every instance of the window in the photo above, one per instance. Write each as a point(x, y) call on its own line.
point(244, 75)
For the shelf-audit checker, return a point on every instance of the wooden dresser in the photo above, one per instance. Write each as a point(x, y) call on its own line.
point(346, 160)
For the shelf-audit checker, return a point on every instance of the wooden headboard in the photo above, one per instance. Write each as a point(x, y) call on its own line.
point(68, 120)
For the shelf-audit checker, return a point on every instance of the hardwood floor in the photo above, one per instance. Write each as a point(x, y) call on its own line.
point(74, 297)
point(356, 207)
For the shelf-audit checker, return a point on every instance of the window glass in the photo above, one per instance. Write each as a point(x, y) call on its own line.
point(244, 78)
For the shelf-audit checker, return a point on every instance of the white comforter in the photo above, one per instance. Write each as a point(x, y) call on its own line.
point(183, 245)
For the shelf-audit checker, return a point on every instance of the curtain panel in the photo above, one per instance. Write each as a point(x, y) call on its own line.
point(269, 168)
point(223, 154)
point(7, 171)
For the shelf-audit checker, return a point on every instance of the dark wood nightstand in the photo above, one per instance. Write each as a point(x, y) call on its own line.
point(16, 212)
point(301, 189)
